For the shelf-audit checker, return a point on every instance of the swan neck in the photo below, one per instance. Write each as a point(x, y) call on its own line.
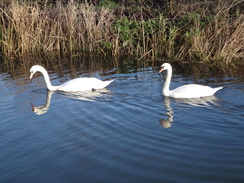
point(167, 82)
point(47, 80)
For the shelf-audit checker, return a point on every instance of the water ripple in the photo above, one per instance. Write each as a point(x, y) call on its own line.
point(118, 136)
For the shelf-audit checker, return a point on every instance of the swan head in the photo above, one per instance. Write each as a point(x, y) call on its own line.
point(34, 69)
point(164, 67)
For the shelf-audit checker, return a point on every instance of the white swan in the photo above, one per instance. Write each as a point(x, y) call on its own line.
point(78, 84)
point(186, 91)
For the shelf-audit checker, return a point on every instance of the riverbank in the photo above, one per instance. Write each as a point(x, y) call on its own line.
point(210, 32)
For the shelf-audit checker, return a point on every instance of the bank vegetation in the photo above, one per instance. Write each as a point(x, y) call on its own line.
point(188, 31)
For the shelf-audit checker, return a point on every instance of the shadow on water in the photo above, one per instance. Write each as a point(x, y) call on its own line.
point(72, 65)
point(69, 66)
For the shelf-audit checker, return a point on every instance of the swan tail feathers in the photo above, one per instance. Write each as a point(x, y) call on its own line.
point(108, 82)
point(218, 88)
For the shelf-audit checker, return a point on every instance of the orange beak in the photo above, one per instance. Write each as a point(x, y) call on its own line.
point(31, 75)
point(161, 70)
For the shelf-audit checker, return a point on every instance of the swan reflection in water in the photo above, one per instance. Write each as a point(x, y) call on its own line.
point(44, 108)
point(194, 102)
point(166, 123)
point(84, 96)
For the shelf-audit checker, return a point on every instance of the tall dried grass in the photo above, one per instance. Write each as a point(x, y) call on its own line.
point(31, 28)
point(206, 31)
point(212, 36)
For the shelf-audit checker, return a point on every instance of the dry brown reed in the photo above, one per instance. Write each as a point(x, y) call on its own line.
point(30, 28)
point(206, 31)
point(212, 36)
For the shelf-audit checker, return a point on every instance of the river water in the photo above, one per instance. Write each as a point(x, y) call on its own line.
point(127, 132)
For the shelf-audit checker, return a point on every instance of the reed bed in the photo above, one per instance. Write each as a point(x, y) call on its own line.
point(206, 31)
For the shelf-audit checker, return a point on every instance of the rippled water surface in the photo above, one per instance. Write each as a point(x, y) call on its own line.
point(126, 133)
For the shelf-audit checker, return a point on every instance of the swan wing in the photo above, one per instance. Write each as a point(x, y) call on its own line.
point(193, 91)
point(83, 84)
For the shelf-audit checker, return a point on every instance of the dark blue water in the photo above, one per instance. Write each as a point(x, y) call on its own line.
point(128, 133)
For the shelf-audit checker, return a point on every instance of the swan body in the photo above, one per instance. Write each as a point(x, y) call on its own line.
point(78, 84)
point(186, 91)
